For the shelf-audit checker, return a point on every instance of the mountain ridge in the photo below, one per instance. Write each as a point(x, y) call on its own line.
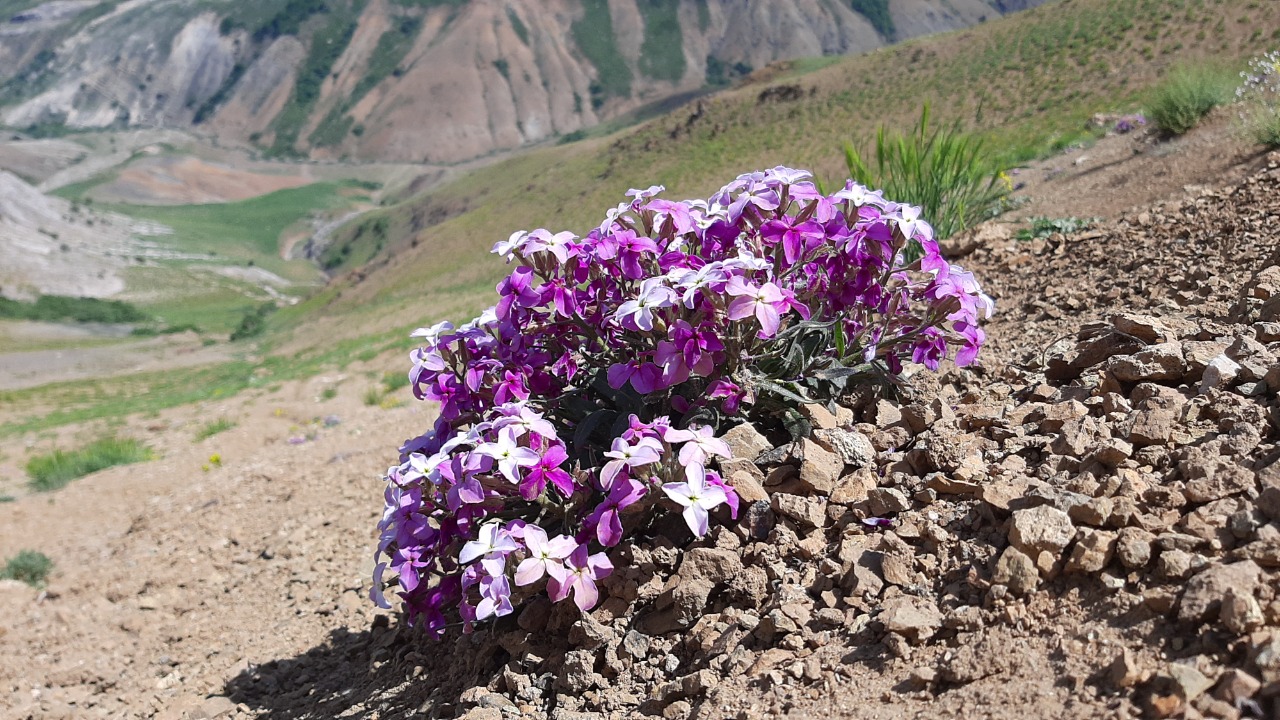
point(439, 81)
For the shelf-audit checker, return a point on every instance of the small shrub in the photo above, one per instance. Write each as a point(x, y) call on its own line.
point(373, 396)
point(28, 566)
point(253, 323)
point(52, 471)
point(329, 392)
point(665, 325)
point(7, 498)
point(1184, 97)
point(213, 427)
point(393, 381)
point(945, 171)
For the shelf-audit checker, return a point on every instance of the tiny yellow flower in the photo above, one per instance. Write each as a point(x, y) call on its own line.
point(215, 460)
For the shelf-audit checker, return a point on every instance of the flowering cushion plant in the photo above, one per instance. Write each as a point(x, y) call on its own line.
point(587, 399)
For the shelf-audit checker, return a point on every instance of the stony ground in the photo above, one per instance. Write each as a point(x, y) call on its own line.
point(1086, 526)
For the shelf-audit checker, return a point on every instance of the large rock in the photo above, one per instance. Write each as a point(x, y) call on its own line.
point(915, 618)
point(820, 468)
point(1041, 529)
point(1158, 363)
point(853, 447)
point(1092, 552)
point(746, 442)
point(1202, 598)
point(1152, 427)
point(1017, 571)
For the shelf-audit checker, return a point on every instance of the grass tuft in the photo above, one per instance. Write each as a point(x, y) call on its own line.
point(213, 427)
point(28, 566)
point(1188, 94)
point(945, 171)
point(52, 471)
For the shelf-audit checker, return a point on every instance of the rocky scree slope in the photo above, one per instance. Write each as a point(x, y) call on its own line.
point(1088, 527)
point(423, 81)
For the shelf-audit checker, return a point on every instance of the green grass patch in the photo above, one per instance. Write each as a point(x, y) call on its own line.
point(52, 471)
point(391, 49)
point(662, 51)
point(946, 171)
point(593, 35)
point(7, 499)
point(244, 230)
point(28, 566)
point(329, 392)
point(1188, 94)
point(213, 427)
point(358, 246)
point(60, 308)
point(1043, 227)
point(1262, 122)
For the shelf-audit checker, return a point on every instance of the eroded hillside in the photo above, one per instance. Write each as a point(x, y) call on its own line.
point(419, 80)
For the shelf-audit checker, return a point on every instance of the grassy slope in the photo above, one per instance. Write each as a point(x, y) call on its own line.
point(1030, 80)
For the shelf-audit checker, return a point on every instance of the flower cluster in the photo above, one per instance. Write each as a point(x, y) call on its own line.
point(638, 337)
point(1128, 123)
point(1262, 79)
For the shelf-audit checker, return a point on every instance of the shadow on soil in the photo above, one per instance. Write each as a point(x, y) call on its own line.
point(387, 671)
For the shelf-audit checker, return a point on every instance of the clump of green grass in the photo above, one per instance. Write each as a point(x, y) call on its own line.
point(393, 381)
point(1186, 95)
point(7, 498)
point(329, 393)
point(52, 471)
point(946, 171)
point(373, 396)
point(1043, 227)
point(1263, 125)
point(29, 566)
point(213, 427)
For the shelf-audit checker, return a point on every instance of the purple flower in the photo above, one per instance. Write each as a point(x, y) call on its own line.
point(548, 470)
point(581, 573)
point(607, 518)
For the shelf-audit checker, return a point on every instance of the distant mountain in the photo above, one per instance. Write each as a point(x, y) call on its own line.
point(437, 81)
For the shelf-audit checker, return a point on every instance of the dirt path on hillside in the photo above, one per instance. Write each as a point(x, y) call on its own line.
point(238, 591)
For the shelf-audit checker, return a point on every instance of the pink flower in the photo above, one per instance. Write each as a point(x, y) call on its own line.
point(700, 444)
point(697, 496)
point(545, 556)
point(762, 302)
point(625, 455)
point(581, 573)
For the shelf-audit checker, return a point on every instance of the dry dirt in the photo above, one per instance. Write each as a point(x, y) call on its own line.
point(1082, 528)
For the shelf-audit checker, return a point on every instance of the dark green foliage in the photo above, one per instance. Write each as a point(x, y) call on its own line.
point(719, 74)
point(287, 20)
point(370, 238)
point(52, 471)
point(503, 69)
point(57, 308)
point(210, 106)
point(326, 47)
point(253, 323)
point(704, 15)
point(877, 12)
point(28, 566)
point(662, 52)
point(594, 37)
point(518, 26)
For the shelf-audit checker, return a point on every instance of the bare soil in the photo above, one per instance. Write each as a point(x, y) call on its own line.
point(239, 591)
